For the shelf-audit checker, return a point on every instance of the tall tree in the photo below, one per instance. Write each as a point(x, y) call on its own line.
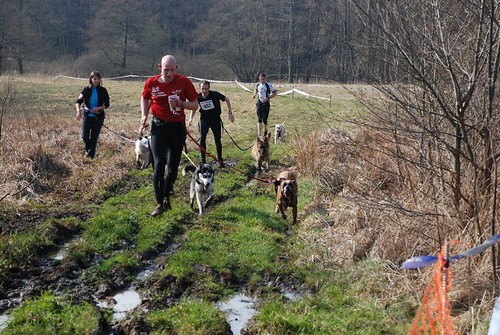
point(446, 57)
point(114, 31)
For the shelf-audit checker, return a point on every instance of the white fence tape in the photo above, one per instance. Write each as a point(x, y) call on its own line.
point(292, 91)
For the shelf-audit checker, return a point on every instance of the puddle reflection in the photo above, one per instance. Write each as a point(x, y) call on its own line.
point(4, 321)
point(124, 303)
point(239, 310)
point(63, 250)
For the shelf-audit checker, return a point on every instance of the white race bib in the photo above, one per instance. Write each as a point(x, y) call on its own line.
point(206, 105)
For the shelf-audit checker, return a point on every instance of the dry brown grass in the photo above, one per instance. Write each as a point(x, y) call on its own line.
point(374, 203)
point(41, 148)
point(42, 159)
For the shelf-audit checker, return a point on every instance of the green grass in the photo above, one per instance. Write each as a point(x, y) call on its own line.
point(331, 311)
point(22, 247)
point(234, 236)
point(336, 301)
point(240, 236)
point(122, 230)
point(189, 317)
point(48, 315)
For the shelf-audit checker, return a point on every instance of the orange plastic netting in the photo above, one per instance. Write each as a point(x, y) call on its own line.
point(433, 315)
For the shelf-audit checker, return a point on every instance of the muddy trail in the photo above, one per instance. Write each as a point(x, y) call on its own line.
point(128, 293)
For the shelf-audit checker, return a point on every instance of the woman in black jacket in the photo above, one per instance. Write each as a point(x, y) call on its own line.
point(95, 100)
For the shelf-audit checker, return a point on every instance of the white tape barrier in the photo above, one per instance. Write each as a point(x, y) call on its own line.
point(243, 87)
point(212, 81)
point(307, 95)
point(292, 91)
point(110, 78)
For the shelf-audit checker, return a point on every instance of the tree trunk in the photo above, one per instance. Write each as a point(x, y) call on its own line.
point(20, 66)
point(290, 43)
point(123, 64)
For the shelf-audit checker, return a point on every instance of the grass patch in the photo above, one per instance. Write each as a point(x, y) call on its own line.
point(22, 247)
point(122, 231)
point(189, 317)
point(330, 311)
point(242, 236)
point(339, 301)
point(50, 315)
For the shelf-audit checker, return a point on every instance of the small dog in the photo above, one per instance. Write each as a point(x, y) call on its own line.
point(142, 152)
point(202, 185)
point(260, 151)
point(286, 189)
point(279, 133)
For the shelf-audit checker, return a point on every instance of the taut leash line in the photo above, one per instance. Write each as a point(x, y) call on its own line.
point(119, 135)
point(232, 167)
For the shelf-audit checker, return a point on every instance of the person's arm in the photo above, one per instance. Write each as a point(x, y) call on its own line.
point(230, 115)
point(256, 91)
point(193, 112)
point(191, 105)
point(78, 111)
point(145, 105)
point(191, 97)
point(272, 95)
point(79, 103)
point(105, 100)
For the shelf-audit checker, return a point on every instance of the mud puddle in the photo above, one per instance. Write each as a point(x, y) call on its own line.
point(127, 300)
point(239, 309)
point(122, 303)
point(153, 265)
point(4, 321)
point(63, 249)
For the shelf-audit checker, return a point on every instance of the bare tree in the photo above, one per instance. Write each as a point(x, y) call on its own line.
point(445, 56)
point(3, 100)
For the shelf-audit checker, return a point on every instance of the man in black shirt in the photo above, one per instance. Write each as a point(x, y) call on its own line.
point(210, 111)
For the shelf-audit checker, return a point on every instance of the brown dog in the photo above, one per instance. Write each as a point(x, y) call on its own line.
point(286, 189)
point(260, 151)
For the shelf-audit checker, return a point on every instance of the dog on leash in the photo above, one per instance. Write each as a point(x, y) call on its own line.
point(260, 151)
point(142, 152)
point(279, 133)
point(286, 188)
point(202, 185)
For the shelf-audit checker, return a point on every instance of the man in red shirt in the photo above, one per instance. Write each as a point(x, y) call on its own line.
point(166, 95)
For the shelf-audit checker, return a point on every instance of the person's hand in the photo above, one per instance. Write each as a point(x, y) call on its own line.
point(97, 110)
point(79, 114)
point(174, 102)
point(143, 126)
point(230, 116)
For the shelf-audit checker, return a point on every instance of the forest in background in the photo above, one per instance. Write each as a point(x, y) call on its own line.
point(291, 40)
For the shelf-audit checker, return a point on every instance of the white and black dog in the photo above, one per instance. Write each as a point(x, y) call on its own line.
point(202, 185)
point(142, 152)
point(279, 132)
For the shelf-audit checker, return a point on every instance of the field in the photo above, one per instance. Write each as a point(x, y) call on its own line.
point(51, 197)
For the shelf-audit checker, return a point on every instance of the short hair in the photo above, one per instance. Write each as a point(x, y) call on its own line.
point(262, 75)
point(205, 82)
point(95, 74)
